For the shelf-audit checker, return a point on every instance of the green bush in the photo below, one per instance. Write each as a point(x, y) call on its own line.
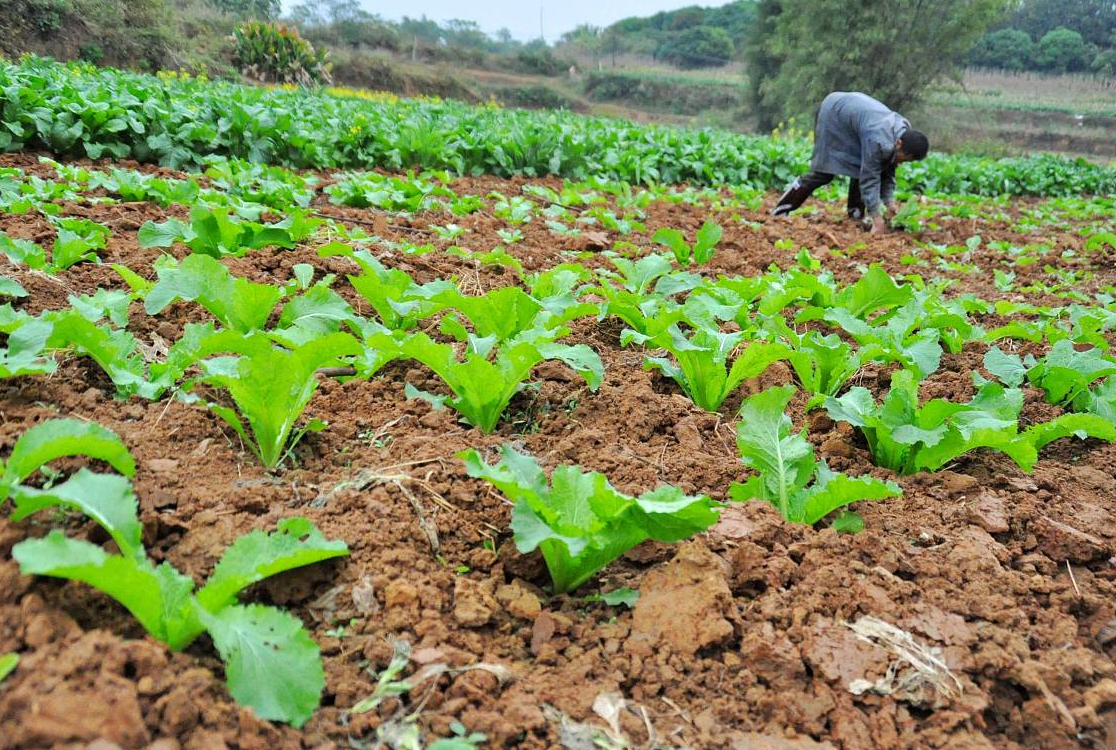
point(539, 61)
point(1006, 49)
point(46, 15)
point(1062, 51)
point(699, 47)
point(276, 53)
point(536, 96)
point(1104, 63)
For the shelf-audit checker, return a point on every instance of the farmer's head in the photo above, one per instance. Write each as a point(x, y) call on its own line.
point(911, 146)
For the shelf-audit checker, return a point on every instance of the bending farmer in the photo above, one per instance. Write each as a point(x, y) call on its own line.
point(856, 135)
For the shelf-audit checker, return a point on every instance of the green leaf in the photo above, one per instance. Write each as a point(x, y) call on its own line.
point(707, 238)
point(253, 557)
point(162, 235)
point(272, 665)
point(622, 596)
point(238, 303)
point(56, 438)
point(11, 288)
point(674, 240)
point(132, 582)
point(1080, 426)
point(105, 498)
point(1008, 368)
point(848, 522)
point(874, 291)
point(8, 664)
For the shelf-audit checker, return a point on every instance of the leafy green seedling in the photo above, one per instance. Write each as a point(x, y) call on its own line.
point(57, 438)
point(237, 303)
point(908, 438)
point(703, 249)
point(708, 365)
point(272, 664)
point(217, 232)
point(482, 388)
point(24, 353)
point(270, 385)
point(785, 465)
point(907, 217)
point(579, 521)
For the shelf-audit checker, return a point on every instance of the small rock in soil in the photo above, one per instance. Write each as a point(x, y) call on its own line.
point(473, 603)
point(1060, 541)
point(518, 600)
point(988, 512)
point(682, 604)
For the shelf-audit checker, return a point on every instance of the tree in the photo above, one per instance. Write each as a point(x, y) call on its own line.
point(1093, 19)
point(1006, 49)
point(1104, 64)
point(264, 10)
point(1062, 51)
point(891, 49)
point(698, 47)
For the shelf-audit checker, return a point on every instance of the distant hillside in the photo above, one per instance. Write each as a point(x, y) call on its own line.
point(679, 34)
point(691, 37)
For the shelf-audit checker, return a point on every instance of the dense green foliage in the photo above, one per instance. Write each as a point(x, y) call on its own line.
point(892, 49)
point(1052, 36)
point(181, 122)
point(1007, 49)
point(660, 33)
point(698, 47)
point(273, 52)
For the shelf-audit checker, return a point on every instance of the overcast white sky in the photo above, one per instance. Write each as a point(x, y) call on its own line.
point(522, 16)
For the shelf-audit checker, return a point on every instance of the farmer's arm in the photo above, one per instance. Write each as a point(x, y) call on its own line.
point(874, 160)
point(887, 185)
point(872, 164)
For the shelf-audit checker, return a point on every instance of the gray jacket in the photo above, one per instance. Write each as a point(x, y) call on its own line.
point(855, 135)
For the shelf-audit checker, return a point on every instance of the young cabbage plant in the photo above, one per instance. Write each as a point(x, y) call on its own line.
point(501, 314)
point(908, 438)
point(271, 664)
point(650, 274)
point(707, 364)
point(76, 240)
point(1068, 377)
point(58, 438)
point(115, 350)
point(25, 351)
point(579, 521)
point(486, 377)
point(399, 302)
point(238, 303)
point(787, 475)
point(703, 249)
point(217, 232)
point(269, 385)
point(559, 291)
point(823, 364)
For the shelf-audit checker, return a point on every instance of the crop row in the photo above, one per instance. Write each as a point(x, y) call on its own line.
point(256, 363)
point(82, 111)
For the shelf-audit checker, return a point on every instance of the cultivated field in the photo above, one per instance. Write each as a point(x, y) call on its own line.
point(312, 428)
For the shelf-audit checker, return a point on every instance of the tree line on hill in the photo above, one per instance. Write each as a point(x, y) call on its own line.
point(1055, 36)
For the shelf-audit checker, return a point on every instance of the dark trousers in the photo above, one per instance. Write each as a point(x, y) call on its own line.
point(803, 186)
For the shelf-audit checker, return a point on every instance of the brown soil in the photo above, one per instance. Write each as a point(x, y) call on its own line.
point(741, 638)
